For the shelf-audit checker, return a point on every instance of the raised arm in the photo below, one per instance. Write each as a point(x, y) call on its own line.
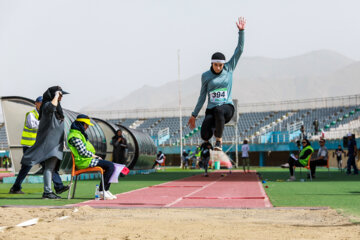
point(200, 103)
point(231, 64)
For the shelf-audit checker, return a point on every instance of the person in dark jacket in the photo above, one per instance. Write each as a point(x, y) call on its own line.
point(120, 146)
point(352, 152)
point(49, 144)
point(205, 156)
point(185, 159)
point(338, 153)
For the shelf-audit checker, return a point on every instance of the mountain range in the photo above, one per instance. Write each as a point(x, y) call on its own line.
point(322, 73)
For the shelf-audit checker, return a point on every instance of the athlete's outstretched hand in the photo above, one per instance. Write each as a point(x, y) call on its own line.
point(191, 122)
point(241, 24)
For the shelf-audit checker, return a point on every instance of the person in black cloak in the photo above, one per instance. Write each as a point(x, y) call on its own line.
point(49, 144)
point(120, 146)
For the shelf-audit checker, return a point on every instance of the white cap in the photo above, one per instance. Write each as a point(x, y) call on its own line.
point(349, 134)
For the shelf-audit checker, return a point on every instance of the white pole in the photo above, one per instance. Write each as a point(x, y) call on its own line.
point(180, 113)
point(236, 146)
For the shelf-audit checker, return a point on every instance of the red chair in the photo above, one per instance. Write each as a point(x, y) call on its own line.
point(307, 167)
point(75, 173)
point(163, 163)
point(327, 166)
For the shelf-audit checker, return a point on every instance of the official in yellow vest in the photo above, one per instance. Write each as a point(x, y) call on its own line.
point(301, 160)
point(31, 125)
point(28, 138)
point(6, 162)
point(84, 152)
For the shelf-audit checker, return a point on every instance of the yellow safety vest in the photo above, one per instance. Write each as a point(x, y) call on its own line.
point(29, 135)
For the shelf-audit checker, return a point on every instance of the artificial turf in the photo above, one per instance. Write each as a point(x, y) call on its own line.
point(338, 191)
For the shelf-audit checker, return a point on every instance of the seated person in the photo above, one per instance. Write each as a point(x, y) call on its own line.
point(160, 158)
point(322, 158)
point(84, 152)
point(302, 159)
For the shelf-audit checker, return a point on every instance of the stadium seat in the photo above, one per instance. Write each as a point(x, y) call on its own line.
point(75, 173)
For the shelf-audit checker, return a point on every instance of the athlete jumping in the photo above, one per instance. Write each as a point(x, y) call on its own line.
point(216, 84)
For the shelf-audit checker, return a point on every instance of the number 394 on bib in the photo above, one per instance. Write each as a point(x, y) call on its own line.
point(218, 95)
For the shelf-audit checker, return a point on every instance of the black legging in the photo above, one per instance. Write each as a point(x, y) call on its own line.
point(108, 171)
point(216, 118)
point(314, 163)
point(292, 163)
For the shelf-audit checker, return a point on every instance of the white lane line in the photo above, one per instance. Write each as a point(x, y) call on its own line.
point(63, 217)
point(3, 228)
point(196, 191)
point(266, 199)
point(28, 223)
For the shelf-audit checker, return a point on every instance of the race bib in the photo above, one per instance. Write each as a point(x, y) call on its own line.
point(218, 95)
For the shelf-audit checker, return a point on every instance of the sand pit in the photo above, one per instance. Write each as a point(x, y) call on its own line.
point(198, 223)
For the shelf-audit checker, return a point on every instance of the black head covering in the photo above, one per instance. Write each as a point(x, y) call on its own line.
point(48, 96)
point(307, 142)
point(77, 125)
point(116, 137)
point(218, 56)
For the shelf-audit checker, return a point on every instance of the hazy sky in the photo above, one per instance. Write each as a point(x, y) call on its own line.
point(108, 48)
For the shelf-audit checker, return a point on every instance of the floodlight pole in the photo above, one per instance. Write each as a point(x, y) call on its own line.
point(180, 113)
point(236, 145)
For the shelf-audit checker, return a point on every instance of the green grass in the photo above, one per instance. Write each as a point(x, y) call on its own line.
point(337, 191)
point(85, 189)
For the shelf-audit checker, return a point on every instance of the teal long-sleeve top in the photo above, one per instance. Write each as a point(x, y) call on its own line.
point(218, 87)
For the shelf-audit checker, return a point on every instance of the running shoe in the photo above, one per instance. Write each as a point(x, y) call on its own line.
point(61, 190)
point(112, 195)
point(218, 146)
point(12, 191)
point(107, 196)
point(291, 179)
point(50, 195)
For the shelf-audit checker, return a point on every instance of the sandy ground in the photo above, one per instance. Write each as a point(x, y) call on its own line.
point(198, 223)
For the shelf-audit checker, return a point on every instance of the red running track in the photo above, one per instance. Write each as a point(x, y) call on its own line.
point(220, 190)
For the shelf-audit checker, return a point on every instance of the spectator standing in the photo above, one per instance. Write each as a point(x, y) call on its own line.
point(245, 156)
point(352, 151)
point(28, 139)
point(197, 156)
point(185, 159)
point(302, 136)
point(119, 143)
point(205, 156)
point(339, 152)
point(316, 126)
point(6, 162)
point(49, 144)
